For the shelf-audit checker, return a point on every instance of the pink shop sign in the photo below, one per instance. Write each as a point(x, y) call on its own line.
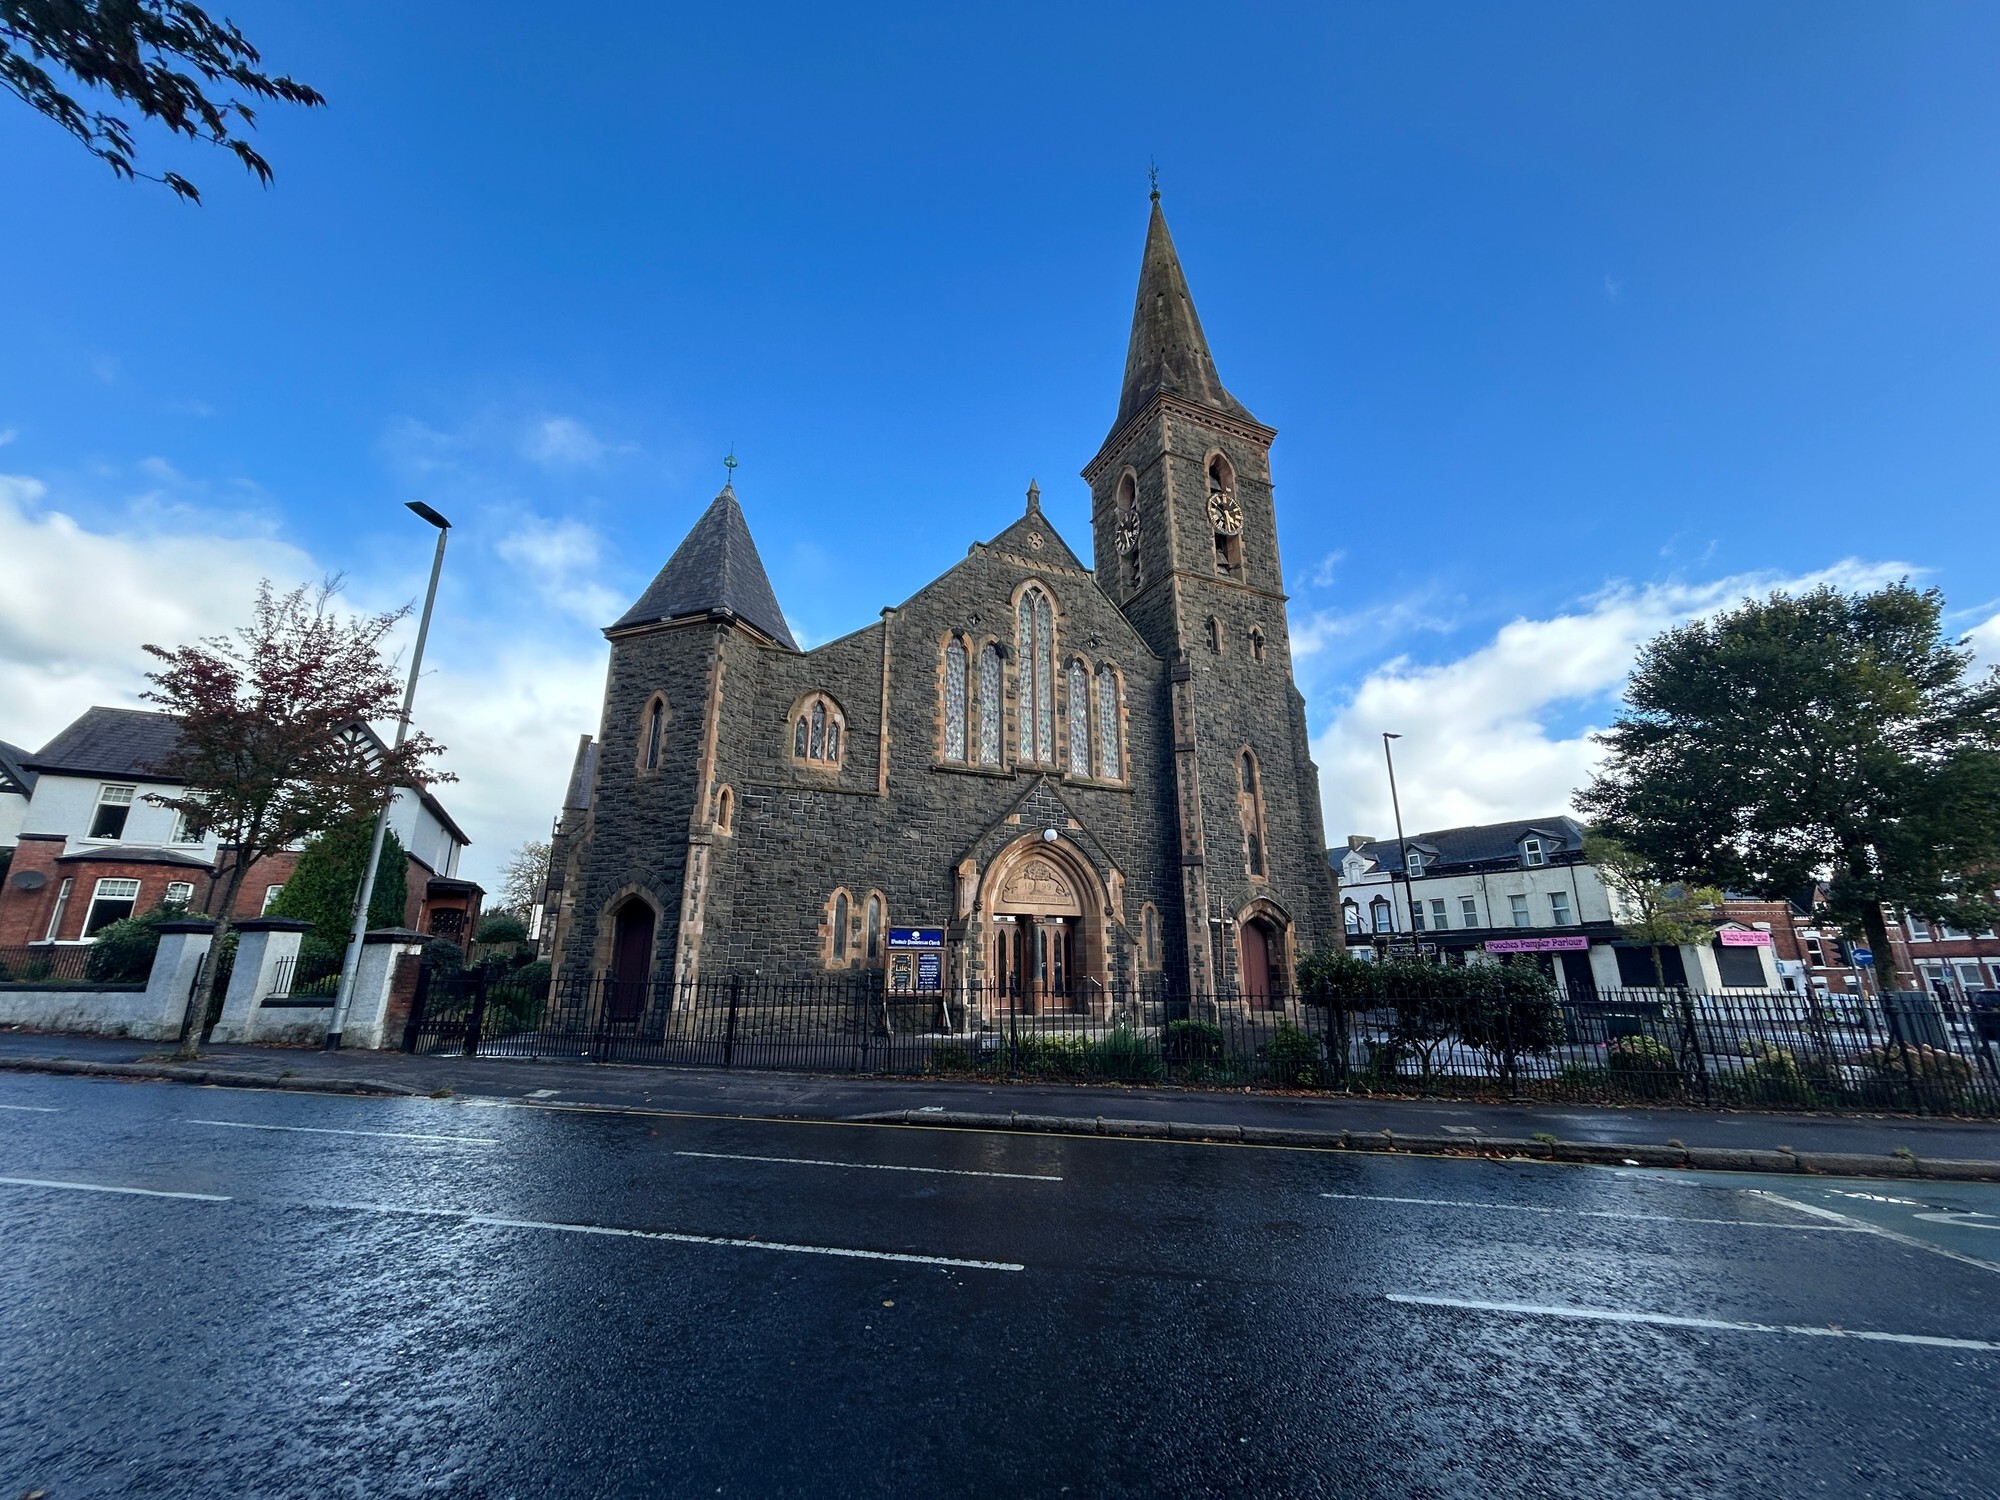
point(1737, 937)
point(1537, 945)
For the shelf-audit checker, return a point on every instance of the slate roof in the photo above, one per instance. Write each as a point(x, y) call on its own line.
point(1168, 351)
point(715, 567)
point(581, 775)
point(1479, 843)
point(14, 773)
point(128, 742)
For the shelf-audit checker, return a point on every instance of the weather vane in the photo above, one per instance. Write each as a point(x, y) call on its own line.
point(1153, 173)
point(729, 468)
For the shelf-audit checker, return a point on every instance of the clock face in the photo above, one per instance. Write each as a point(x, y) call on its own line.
point(1225, 513)
point(1128, 531)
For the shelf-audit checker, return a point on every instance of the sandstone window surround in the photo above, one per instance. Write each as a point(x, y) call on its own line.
point(1125, 533)
point(651, 748)
point(1079, 719)
point(1110, 723)
point(819, 733)
point(1225, 514)
point(1256, 643)
point(971, 687)
point(1149, 937)
point(1250, 809)
point(725, 810)
point(838, 941)
point(1035, 648)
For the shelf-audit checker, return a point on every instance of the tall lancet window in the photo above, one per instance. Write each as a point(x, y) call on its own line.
point(1079, 720)
point(1107, 724)
point(1034, 629)
point(989, 706)
point(954, 700)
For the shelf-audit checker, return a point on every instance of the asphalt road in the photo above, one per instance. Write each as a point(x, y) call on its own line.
point(235, 1293)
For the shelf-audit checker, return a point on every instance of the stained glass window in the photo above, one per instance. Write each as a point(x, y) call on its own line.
point(799, 738)
point(954, 701)
point(1079, 720)
point(989, 706)
point(1108, 765)
point(1035, 634)
point(833, 740)
point(818, 750)
point(840, 925)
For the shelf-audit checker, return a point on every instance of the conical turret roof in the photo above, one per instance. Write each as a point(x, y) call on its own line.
point(1168, 351)
point(715, 567)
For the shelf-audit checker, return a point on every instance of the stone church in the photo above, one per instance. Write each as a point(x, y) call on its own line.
point(1072, 786)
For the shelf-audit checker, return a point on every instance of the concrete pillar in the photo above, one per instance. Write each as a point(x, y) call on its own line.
point(264, 946)
point(1604, 967)
point(1704, 978)
point(170, 986)
point(367, 1017)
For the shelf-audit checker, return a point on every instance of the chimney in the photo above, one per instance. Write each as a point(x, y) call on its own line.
point(1356, 840)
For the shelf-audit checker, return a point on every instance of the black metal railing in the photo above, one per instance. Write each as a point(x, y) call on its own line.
point(302, 976)
point(42, 963)
point(1780, 1050)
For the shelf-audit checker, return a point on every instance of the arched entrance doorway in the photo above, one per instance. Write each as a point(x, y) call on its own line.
point(1045, 929)
point(1263, 950)
point(631, 961)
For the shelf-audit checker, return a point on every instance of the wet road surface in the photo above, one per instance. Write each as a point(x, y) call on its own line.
point(222, 1292)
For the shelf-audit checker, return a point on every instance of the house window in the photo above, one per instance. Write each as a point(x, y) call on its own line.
point(1416, 864)
point(1353, 915)
point(1518, 906)
point(989, 706)
point(1034, 630)
point(62, 906)
point(1381, 916)
point(1110, 765)
point(1079, 720)
point(111, 901)
point(1417, 915)
point(270, 897)
point(816, 733)
point(1920, 930)
point(1533, 855)
point(1559, 907)
point(1468, 911)
point(954, 700)
point(190, 827)
point(1437, 914)
point(1815, 953)
point(114, 806)
point(181, 893)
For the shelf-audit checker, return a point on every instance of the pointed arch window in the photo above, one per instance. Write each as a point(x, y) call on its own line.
point(989, 706)
point(1110, 764)
point(872, 926)
point(1250, 810)
point(954, 700)
point(1149, 937)
point(1034, 629)
point(839, 934)
point(818, 726)
point(1079, 720)
point(653, 733)
point(1225, 513)
point(1256, 643)
point(1125, 536)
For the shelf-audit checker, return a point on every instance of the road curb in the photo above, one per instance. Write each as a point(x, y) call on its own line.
point(1598, 1153)
point(214, 1077)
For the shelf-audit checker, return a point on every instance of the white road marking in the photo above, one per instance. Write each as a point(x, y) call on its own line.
point(101, 1187)
point(33, 1109)
point(1671, 1320)
point(1864, 1227)
point(1962, 1220)
point(872, 1166)
point(1593, 1213)
point(498, 1221)
point(394, 1135)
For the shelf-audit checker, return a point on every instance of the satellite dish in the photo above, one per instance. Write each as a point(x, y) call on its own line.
point(30, 880)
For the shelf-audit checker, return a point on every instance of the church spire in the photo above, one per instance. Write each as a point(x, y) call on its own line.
point(1168, 351)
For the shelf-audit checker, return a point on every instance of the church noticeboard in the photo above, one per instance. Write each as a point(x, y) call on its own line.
point(916, 960)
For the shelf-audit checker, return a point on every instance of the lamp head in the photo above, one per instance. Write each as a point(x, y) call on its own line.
point(429, 515)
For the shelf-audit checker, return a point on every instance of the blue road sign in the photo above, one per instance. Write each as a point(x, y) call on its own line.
point(1863, 957)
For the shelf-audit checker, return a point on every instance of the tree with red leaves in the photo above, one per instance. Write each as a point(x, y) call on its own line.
point(274, 748)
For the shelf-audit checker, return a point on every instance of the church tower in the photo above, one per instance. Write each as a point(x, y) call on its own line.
point(1187, 544)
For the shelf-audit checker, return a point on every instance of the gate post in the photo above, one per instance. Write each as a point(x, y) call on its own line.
point(729, 1030)
point(418, 1003)
point(478, 1017)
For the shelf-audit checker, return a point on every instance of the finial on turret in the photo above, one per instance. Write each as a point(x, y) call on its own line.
point(1153, 173)
point(729, 470)
point(1034, 498)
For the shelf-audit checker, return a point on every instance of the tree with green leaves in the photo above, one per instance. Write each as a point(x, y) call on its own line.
point(273, 749)
point(323, 882)
point(1819, 739)
point(1649, 911)
point(168, 60)
point(524, 877)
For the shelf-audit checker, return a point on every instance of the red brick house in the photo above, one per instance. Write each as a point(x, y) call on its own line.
point(91, 847)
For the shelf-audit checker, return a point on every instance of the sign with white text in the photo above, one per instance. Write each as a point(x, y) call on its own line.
point(1737, 937)
point(1538, 945)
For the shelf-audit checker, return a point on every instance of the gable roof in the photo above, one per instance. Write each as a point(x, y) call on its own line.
point(716, 567)
point(132, 742)
point(1476, 843)
point(1168, 351)
point(582, 774)
point(14, 773)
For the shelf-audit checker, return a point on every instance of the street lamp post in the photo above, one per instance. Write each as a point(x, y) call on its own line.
point(1402, 845)
point(350, 962)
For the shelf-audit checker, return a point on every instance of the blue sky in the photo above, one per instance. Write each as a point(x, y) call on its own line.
point(1574, 319)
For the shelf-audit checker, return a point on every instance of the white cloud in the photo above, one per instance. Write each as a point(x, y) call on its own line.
point(1613, 288)
point(561, 559)
point(562, 442)
point(1481, 740)
point(7, 435)
point(1985, 642)
point(507, 697)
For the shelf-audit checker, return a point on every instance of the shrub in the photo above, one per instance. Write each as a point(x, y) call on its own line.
point(1926, 1066)
point(1582, 1079)
point(323, 882)
point(1643, 1065)
point(1193, 1042)
point(443, 957)
point(122, 952)
point(1125, 1055)
point(951, 1058)
point(1295, 1059)
point(501, 927)
point(1061, 1056)
point(1775, 1077)
point(514, 1001)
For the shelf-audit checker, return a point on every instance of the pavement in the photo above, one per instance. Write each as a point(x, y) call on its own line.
point(288, 1294)
point(1884, 1145)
